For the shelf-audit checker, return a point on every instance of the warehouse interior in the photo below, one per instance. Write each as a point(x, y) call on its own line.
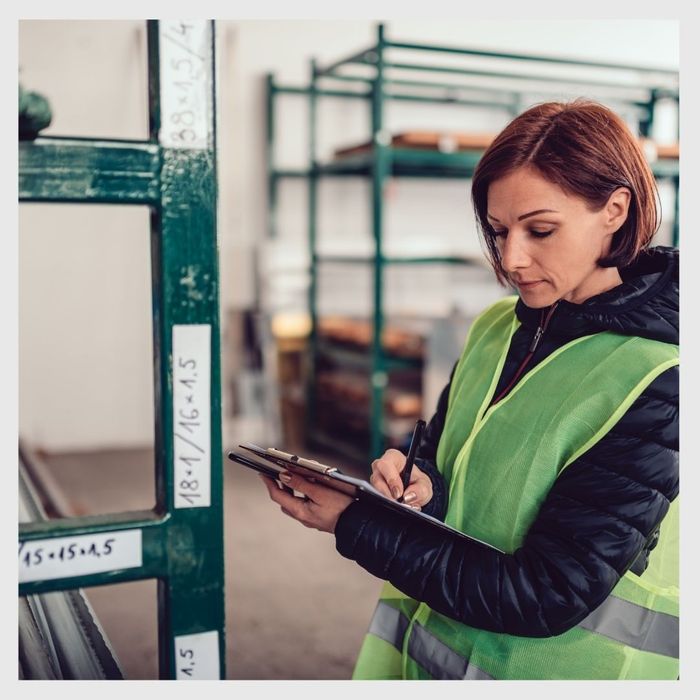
point(300, 216)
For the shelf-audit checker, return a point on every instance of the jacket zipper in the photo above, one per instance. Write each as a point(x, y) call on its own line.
point(544, 322)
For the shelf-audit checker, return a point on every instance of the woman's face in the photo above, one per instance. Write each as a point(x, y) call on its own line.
point(549, 240)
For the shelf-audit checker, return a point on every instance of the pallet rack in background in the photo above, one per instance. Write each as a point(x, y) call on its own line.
point(382, 160)
point(180, 541)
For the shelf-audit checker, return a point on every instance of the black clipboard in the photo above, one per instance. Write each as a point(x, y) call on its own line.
point(272, 462)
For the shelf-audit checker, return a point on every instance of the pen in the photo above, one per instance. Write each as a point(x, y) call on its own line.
point(415, 441)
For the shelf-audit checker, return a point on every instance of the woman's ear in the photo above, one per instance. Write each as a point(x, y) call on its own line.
point(617, 208)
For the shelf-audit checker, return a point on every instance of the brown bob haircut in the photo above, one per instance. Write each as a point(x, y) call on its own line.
point(588, 151)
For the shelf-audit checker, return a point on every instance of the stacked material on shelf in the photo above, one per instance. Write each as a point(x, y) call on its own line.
point(290, 332)
point(653, 150)
point(348, 389)
point(358, 333)
point(450, 142)
point(445, 141)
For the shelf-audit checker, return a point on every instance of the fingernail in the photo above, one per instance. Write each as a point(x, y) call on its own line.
point(285, 477)
point(396, 491)
point(415, 507)
point(409, 497)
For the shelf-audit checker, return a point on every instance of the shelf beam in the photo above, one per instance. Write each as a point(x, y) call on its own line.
point(368, 56)
point(359, 357)
point(38, 535)
point(530, 57)
point(397, 260)
point(516, 76)
point(82, 170)
point(299, 90)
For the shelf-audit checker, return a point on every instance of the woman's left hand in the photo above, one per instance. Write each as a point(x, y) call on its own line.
point(320, 509)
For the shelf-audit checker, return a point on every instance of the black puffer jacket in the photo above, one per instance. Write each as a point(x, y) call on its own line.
point(600, 518)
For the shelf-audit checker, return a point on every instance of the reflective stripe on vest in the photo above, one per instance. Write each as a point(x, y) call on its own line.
point(635, 626)
point(441, 662)
point(389, 624)
point(436, 658)
point(615, 618)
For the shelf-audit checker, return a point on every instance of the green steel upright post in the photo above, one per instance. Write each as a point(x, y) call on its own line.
point(270, 156)
point(646, 124)
point(676, 224)
point(380, 168)
point(186, 335)
point(312, 184)
point(180, 542)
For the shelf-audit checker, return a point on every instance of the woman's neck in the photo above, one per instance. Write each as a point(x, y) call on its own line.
point(608, 279)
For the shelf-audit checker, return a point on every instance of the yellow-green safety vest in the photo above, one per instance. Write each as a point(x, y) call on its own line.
point(500, 462)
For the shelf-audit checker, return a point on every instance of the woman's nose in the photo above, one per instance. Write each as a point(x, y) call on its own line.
point(514, 254)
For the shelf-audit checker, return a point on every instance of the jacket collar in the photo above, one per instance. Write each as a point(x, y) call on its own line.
point(645, 304)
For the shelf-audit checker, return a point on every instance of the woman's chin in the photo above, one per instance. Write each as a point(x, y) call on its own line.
point(536, 296)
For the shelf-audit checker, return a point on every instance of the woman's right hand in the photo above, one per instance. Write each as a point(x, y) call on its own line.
point(386, 478)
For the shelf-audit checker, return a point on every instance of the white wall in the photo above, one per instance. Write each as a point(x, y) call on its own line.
point(85, 350)
point(85, 346)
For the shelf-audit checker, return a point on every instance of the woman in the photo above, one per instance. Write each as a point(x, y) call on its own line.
point(556, 439)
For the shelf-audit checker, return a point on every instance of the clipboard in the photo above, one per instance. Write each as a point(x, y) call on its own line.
point(272, 462)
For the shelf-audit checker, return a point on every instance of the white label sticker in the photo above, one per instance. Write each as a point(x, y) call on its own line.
point(197, 656)
point(192, 415)
point(62, 557)
point(185, 83)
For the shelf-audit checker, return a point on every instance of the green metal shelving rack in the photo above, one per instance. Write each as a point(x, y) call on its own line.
point(384, 161)
point(180, 541)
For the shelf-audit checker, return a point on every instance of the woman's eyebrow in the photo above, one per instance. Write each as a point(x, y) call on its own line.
point(525, 216)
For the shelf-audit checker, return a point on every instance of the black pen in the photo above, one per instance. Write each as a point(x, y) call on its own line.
point(415, 441)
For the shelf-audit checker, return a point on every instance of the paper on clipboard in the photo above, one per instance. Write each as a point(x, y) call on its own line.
point(272, 462)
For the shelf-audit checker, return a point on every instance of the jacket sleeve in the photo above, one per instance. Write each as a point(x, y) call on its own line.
point(598, 519)
point(426, 455)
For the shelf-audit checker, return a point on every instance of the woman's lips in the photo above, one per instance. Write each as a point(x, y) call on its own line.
point(528, 285)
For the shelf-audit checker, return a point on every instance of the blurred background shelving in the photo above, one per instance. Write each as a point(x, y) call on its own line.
point(359, 367)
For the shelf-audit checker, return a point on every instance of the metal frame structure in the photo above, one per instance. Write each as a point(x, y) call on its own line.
point(180, 541)
point(376, 79)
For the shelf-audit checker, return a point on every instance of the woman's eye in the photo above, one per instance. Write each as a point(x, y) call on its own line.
point(497, 234)
point(542, 234)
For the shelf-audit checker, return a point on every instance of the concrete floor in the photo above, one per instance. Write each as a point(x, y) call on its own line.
point(295, 609)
